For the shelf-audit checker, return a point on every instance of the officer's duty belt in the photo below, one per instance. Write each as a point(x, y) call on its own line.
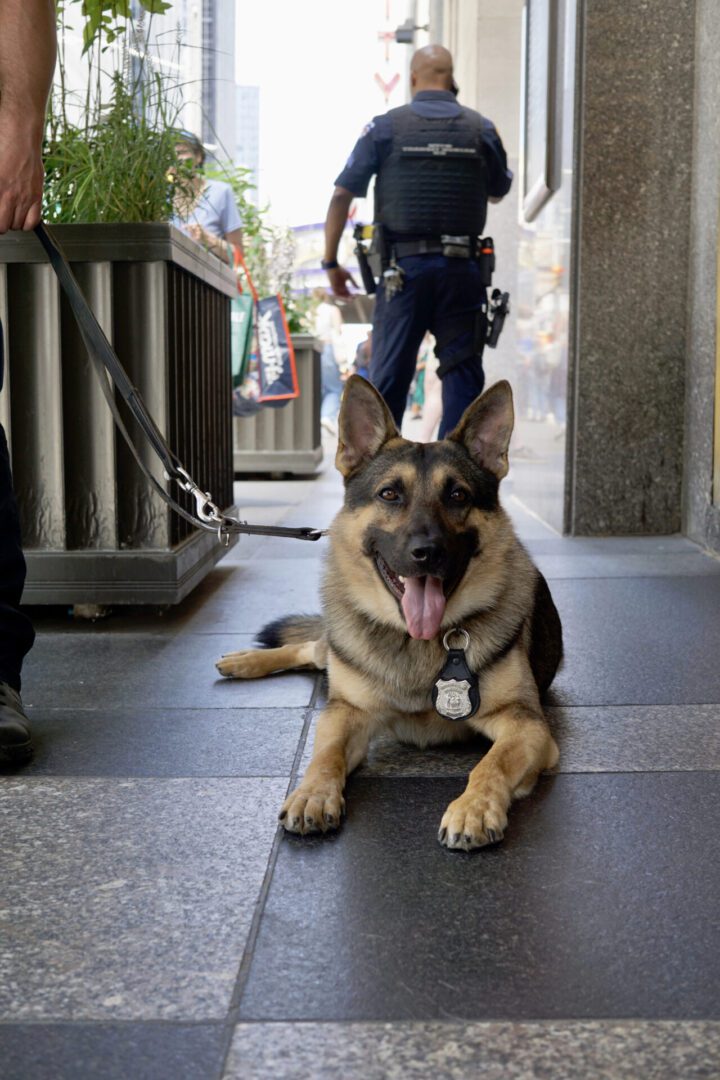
point(434, 245)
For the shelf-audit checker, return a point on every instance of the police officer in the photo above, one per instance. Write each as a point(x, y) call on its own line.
point(27, 61)
point(437, 164)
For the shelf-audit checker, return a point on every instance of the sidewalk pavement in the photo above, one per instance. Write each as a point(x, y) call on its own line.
point(154, 923)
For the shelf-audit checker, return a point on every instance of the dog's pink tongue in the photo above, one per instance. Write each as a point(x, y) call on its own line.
point(423, 605)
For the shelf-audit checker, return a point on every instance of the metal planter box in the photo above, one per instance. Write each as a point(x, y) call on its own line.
point(94, 531)
point(287, 439)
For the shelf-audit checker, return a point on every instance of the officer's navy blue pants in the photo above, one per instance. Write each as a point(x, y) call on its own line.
point(16, 632)
point(444, 296)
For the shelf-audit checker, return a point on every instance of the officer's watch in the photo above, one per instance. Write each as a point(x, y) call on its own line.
point(329, 264)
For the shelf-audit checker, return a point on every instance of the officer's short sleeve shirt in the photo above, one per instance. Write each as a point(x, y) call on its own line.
point(375, 144)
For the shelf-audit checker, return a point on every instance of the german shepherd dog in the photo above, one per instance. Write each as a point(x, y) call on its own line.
point(420, 548)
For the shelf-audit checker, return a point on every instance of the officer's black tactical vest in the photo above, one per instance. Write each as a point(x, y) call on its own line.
point(435, 179)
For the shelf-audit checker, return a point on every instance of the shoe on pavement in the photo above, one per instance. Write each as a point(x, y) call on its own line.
point(15, 741)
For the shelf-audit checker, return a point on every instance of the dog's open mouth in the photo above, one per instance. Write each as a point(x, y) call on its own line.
point(422, 600)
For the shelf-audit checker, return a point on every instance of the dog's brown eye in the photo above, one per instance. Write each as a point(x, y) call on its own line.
point(389, 494)
point(458, 496)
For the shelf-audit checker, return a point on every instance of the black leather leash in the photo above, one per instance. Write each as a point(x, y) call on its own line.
point(207, 515)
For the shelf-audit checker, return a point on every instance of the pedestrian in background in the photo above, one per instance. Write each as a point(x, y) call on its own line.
point(328, 337)
point(27, 61)
point(205, 209)
point(436, 164)
point(432, 408)
point(363, 356)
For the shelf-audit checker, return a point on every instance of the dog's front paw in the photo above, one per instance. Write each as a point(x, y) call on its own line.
point(312, 809)
point(474, 820)
point(249, 664)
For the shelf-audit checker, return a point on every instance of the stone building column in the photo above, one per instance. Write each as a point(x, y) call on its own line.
point(634, 140)
point(701, 488)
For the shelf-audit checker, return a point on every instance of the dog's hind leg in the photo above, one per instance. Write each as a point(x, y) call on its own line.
point(341, 743)
point(255, 663)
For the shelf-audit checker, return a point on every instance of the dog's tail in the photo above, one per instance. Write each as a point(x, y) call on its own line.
point(291, 630)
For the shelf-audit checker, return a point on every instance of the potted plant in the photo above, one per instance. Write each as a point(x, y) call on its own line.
point(95, 532)
point(286, 439)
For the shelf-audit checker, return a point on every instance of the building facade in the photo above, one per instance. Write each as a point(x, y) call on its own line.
point(615, 333)
point(247, 132)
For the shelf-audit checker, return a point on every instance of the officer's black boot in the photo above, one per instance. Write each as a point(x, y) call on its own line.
point(15, 742)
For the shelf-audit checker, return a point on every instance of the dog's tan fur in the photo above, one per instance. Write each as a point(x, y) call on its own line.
point(379, 678)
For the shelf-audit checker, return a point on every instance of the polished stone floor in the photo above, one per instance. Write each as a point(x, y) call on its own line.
point(155, 925)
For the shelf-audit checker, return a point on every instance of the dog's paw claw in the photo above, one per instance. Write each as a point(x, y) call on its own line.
point(309, 810)
point(473, 822)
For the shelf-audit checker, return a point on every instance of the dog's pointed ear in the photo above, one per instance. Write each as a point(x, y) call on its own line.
point(364, 425)
point(485, 428)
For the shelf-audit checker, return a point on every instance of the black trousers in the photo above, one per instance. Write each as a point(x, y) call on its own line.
point(16, 632)
point(445, 296)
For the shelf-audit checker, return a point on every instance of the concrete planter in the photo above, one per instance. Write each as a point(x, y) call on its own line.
point(285, 440)
point(94, 531)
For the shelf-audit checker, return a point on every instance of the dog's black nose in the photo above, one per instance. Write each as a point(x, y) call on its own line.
point(424, 550)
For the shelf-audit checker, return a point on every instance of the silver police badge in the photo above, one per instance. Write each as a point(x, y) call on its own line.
point(453, 698)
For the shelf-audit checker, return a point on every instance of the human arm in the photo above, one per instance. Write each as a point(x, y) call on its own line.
point(500, 178)
point(352, 183)
point(27, 61)
point(235, 237)
point(214, 244)
point(337, 216)
point(227, 224)
point(217, 244)
point(231, 224)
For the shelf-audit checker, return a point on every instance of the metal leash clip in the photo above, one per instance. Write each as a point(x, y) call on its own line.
point(205, 509)
point(208, 511)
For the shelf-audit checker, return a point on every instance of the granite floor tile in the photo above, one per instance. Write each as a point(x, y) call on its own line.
point(639, 738)
point(639, 642)
point(605, 565)
point(123, 619)
point(129, 899)
point(527, 524)
point(164, 742)
point(495, 1051)
point(148, 671)
point(257, 592)
point(111, 1051)
point(601, 902)
point(648, 546)
point(282, 548)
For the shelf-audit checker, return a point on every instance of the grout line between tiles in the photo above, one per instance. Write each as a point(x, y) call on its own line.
point(243, 974)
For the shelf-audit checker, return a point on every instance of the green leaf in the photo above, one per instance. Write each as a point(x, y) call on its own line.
point(155, 7)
